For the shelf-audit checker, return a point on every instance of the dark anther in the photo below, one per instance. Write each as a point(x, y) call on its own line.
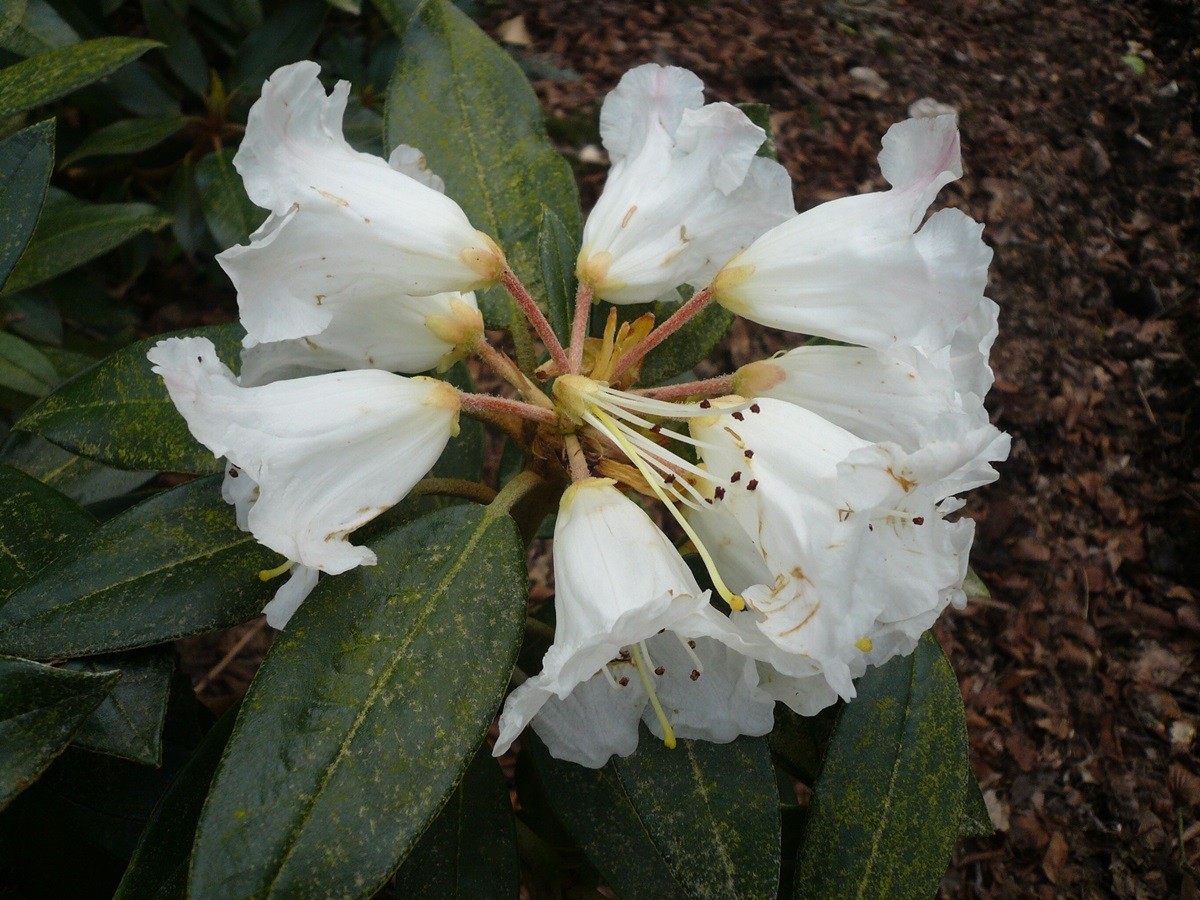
point(661, 670)
point(918, 520)
point(720, 493)
point(624, 654)
point(735, 477)
point(657, 429)
point(692, 645)
point(705, 404)
point(695, 674)
point(749, 454)
point(739, 416)
point(623, 681)
point(754, 408)
point(870, 527)
point(233, 473)
point(670, 478)
point(752, 484)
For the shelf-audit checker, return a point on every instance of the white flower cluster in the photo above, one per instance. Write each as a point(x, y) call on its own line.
point(819, 486)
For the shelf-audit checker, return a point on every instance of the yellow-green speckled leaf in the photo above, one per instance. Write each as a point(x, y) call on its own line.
point(698, 821)
point(173, 565)
point(365, 712)
point(118, 411)
point(54, 74)
point(886, 808)
point(462, 101)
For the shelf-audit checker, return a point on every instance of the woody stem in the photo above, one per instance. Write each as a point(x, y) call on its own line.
point(583, 306)
point(536, 317)
point(706, 388)
point(682, 316)
point(508, 370)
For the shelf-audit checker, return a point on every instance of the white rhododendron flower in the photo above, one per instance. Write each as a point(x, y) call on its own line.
point(857, 269)
point(345, 227)
point(685, 191)
point(839, 546)
point(820, 488)
point(327, 453)
point(392, 333)
point(634, 628)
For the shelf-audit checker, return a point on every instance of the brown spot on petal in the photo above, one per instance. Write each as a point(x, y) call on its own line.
point(661, 670)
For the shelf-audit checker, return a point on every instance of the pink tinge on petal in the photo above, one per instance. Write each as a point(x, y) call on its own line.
point(647, 98)
point(921, 156)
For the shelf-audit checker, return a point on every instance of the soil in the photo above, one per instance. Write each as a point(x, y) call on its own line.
point(1079, 121)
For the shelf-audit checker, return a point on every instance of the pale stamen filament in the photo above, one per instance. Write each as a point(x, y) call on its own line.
point(663, 469)
point(687, 646)
point(734, 601)
point(608, 676)
point(282, 568)
point(640, 658)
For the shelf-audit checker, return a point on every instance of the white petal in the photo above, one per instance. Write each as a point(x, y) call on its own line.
point(894, 396)
point(720, 704)
point(289, 597)
point(588, 727)
point(685, 191)
point(853, 270)
point(411, 162)
point(328, 452)
point(648, 99)
point(618, 580)
point(338, 213)
point(240, 491)
point(374, 331)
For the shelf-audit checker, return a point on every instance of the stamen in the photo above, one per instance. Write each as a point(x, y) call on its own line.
point(608, 676)
point(690, 648)
point(668, 731)
point(734, 601)
point(646, 656)
point(282, 568)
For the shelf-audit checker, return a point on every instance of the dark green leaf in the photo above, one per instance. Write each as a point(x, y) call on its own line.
point(11, 14)
point(33, 316)
point(692, 343)
point(159, 866)
point(24, 368)
point(40, 708)
point(557, 251)
point(698, 821)
point(58, 72)
point(125, 137)
point(470, 849)
point(459, 98)
point(463, 456)
point(26, 160)
point(98, 802)
point(36, 524)
point(167, 24)
point(886, 808)
point(800, 741)
point(129, 722)
point(366, 710)
point(227, 210)
point(397, 13)
point(287, 36)
point(72, 232)
point(83, 480)
point(976, 820)
point(41, 28)
point(171, 566)
point(118, 412)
